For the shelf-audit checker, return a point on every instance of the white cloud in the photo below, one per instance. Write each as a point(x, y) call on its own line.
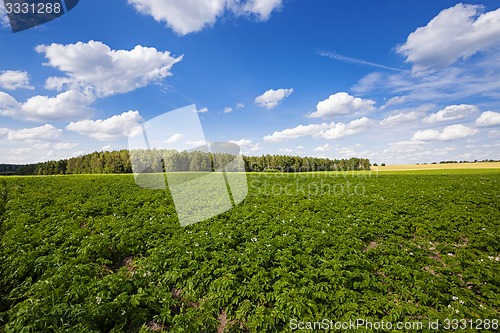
point(196, 143)
point(240, 105)
point(4, 19)
point(46, 132)
point(228, 109)
point(182, 16)
point(246, 145)
point(449, 133)
point(187, 16)
point(64, 106)
point(492, 133)
point(203, 110)
point(20, 151)
point(394, 101)
point(399, 118)
point(340, 130)
point(55, 145)
point(340, 104)
point(174, 138)
point(488, 118)
point(4, 132)
point(108, 129)
point(242, 142)
point(405, 146)
point(260, 8)
point(323, 148)
point(370, 82)
point(321, 131)
point(107, 148)
point(451, 112)
point(95, 67)
point(455, 33)
point(351, 151)
point(8, 105)
point(453, 83)
point(285, 150)
point(12, 80)
point(492, 145)
point(296, 132)
point(78, 153)
point(271, 98)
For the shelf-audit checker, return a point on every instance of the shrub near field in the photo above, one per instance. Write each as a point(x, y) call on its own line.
point(98, 254)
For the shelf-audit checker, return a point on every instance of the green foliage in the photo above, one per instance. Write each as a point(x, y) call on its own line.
point(99, 254)
point(171, 160)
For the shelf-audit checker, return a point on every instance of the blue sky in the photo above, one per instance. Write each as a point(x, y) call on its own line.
point(392, 81)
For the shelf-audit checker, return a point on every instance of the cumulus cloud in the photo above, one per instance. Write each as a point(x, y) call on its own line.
point(174, 138)
point(323, 148)
point(67, 105)
point(12, 80)
point(448, 133)
point(8, 105)
point(108, 129)
point(455, 33)
point(341, 104)
point(246, 145)
point(228, 109)
point(46, 132)
point(203, 110)
point(187, 16)
point(271, 98)
point(95, 67)
point(296, 132)
point(321, 131)
point(182, 16)
point(196, 143)
point(340, 130)
point(451, 112)
point(488, 118)
point(240, 105)
point(241, 142)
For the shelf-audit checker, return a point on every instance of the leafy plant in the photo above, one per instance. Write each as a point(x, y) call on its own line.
point(99, 254)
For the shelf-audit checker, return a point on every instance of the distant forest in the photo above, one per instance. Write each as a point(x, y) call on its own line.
point(119, 162)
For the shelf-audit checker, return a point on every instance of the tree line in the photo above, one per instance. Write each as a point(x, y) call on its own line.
point(170, 160)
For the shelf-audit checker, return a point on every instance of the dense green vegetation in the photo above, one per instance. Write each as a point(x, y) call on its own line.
point(119, 162)
point(96, 253)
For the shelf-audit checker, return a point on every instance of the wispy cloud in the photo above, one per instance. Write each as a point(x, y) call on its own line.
point(355, 61)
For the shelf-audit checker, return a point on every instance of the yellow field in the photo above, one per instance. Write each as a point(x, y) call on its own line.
point(405, 167)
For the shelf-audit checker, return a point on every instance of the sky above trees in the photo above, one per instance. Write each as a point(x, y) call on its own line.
point(392, 81)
